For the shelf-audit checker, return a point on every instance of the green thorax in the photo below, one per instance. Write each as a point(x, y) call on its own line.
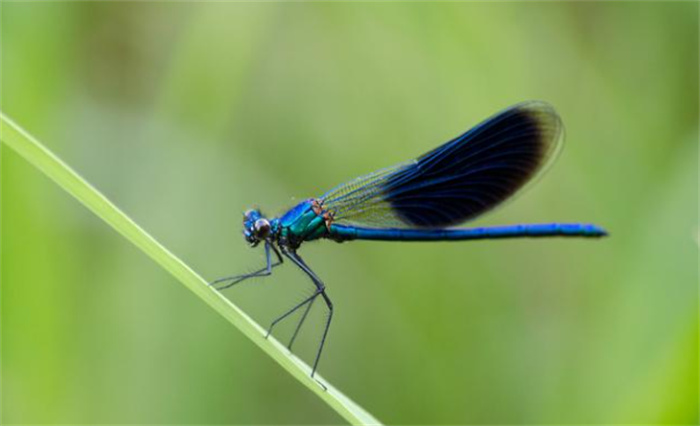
point(301, 224)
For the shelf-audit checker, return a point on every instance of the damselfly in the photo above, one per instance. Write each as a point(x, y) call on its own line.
point(420, 200)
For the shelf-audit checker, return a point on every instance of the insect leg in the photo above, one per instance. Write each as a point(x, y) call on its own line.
point(267, 270)
point(301, 322)
point(320, 289)
point(291, 311)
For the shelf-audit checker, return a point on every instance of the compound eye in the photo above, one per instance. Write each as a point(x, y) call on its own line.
point(262, 228)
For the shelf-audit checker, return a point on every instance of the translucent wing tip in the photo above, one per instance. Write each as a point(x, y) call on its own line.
point(550, 126)
point(478, 170)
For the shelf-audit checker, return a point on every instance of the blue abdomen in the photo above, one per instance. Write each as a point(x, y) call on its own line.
point(343, 233)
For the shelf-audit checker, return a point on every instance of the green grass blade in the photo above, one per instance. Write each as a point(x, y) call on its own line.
point(43, 159)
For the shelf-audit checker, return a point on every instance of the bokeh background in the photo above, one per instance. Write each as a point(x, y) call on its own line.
point(186, 114)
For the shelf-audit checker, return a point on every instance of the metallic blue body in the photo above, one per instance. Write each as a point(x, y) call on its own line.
point(420, 200)
point(301, 223)
point(346, 233)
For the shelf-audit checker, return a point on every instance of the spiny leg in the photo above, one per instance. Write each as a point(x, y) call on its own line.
point(291, 311)
point(325, 330)
point(239, 278)
point(267, 270)
point(321, 289)
point(301, 322)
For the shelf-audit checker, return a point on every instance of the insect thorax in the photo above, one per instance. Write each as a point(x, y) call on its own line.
point(304, 222)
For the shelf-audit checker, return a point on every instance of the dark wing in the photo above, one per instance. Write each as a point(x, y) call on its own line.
point(459, 180)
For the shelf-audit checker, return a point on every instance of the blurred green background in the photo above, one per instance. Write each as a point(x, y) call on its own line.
point(186, 114)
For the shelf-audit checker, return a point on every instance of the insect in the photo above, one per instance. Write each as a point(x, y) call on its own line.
point(420, 200)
